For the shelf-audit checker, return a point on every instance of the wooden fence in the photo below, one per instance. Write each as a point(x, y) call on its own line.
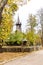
point(19, 48)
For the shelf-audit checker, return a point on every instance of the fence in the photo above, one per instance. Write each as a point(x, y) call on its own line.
point(19, 48)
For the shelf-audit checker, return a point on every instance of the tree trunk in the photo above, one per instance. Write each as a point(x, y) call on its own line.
point(42, 36)
point(2, 5)
point(42, 42)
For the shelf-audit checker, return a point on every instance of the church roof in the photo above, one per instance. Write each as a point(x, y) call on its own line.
point(18, 21)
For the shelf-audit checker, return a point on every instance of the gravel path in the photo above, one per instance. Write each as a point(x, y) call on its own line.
point(35, 58)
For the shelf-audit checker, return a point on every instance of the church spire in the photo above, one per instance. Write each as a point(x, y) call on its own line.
point(18, 24)
point(18, 20)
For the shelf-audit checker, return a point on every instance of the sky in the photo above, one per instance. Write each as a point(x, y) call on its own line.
point(30, 7)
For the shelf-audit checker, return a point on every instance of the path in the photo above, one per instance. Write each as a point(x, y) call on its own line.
point(36, 58)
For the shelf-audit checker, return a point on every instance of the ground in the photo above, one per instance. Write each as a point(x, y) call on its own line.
point(5, 56)
point(35, 58)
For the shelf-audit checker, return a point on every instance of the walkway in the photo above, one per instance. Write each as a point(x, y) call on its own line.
point(35, 58)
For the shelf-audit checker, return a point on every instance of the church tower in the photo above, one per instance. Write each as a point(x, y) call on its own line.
point(18, 24)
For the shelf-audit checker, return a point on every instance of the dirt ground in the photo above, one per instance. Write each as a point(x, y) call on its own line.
point(10, 55)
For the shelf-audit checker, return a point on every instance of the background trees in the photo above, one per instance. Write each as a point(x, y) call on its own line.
point(7, 10)
point(31, 36)
point(40, 14)
point(32, 22)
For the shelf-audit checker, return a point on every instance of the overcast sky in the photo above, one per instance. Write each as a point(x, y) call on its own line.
point(31, 7)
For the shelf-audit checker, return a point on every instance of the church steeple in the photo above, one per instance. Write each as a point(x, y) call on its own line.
point(18, 24)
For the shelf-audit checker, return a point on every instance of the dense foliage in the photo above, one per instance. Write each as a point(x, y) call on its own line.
point(32, 37)
point(15, 37)
point(7, 19)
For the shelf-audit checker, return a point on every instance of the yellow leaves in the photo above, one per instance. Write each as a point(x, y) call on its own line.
point(7, 25)
point(6, 9)
point(10, 2)
point(10, 7)
point(7, 22)
point(13, 7)
point(34, 38)
point(31, 36)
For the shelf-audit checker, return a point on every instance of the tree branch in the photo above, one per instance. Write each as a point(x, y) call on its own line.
point(2, 5)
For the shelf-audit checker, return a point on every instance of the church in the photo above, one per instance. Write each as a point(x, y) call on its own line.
point(18, 25)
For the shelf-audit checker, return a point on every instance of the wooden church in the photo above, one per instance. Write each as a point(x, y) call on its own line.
point(18, 25)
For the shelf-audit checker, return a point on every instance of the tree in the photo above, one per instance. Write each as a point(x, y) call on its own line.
point(6, 27)
point(6, 3)
point(31, 34)
point(30, 37)
point(2, 5)
point(38, 39)
point(32, 22)
point(40, 14)
point(17, 36)
point(33, 39)
point(6, 22)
